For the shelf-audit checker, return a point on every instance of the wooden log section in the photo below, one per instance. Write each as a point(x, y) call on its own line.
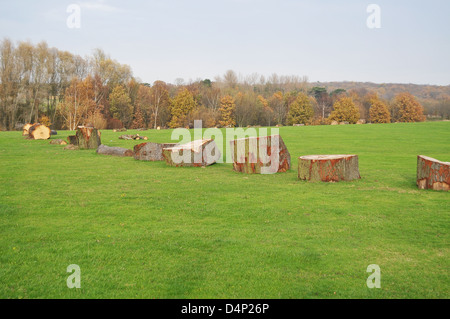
point(432, 174)
point(133, 137)
point(328, 168)
point(88, 137)
point(39, 132)
point(25, 129)
point(151, 151)
point(58, 142)
point(196, 153)
point(73, 140)
point(115, 151)
point(260, 155)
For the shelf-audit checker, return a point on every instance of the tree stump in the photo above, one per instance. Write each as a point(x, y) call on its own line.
point(39, 132)
point(151, 151)
point(328, 168)
point(58, 142)
point(432, 174)
point(196, 153)
point(88, 137)
point(73, 140)
point(115, 151)
point(132, 137)
point(260, 155)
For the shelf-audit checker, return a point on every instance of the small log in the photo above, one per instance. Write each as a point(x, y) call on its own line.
point(196, 153)
point(151, 151)
point(133, 137)
point(39, 132)
point(328, 168)
point(432, 174)
point(71, 147)
point(119, 130)
point(260, 155)
point(115, 151)
point(25, 129)
point(88, 137)
point(72, 139)
point(58, 142)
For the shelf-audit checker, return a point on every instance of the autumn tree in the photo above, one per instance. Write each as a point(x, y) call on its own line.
point(379, 111)
point(345, 111)
point(181, 105)
point(277, 104)
point(138, 120)
point(301, 110)
point(227, 108)
point(159, 101)
point(78, 103)
point(408, 108)
point(120, 105)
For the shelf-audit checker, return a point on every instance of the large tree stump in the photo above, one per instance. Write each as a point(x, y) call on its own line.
point(196, 153)
point(432, 174)
point(151, 151)
point(88, 137)
point(39, 132)
point(115, 151)
point(328, 168)
point(260, 155)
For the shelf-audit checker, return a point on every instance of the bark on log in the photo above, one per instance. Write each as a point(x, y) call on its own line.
point(432, 174)
point(73, 140)
point(133, 137)
point(39, 132)
point(58, 142)
point(151, 151)
point(115, 151)
point(328, 168)
point(26, 128)
point(88, 137)
point(260, 155)
point(196, 153)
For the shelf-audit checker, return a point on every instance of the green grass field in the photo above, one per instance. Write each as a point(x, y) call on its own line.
point(145, 230)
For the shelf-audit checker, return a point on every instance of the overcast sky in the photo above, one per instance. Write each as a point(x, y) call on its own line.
point(326, 40)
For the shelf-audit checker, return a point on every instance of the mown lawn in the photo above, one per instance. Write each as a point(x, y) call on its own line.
point(145, 230)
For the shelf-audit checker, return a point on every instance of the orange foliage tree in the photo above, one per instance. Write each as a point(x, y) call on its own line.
point(408, 108)
point(345, 110)
point(227, 108)
point(379, 111)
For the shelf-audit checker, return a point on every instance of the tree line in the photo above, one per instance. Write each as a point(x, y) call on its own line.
point(64, 90)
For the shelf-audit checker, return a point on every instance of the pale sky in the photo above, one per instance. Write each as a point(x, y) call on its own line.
point(325, 40)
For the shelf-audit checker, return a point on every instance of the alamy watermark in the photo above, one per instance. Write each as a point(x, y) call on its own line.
point(374, 280)
point(74, 280)
point(374, 19)
point(74, 19)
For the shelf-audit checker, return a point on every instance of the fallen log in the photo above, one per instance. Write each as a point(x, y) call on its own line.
point(88, 137)
point(151, 151)
point(115, 151)
point(71, 147)
point(58, 142)
point(260, 155)
point(196, 153)
point(328, 168)
point(119, 130)
point(25, 129)
point(133, 137)
point(432, 174)
point(39, 132)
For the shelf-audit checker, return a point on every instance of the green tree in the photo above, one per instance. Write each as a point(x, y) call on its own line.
point(345, 111)
point(301, 110)
point(121, 107)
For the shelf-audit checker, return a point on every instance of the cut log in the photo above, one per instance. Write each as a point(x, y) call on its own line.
point(133, 137)
point(58, 142)
point(260, 155)
point(119, 130)
point(432, 174)
point(25, 129)
point(115, 151)
point(39, 132)
point(88, 137)
point(328, 168)
point(196, 153)
point(72, 139)
point(151, 151)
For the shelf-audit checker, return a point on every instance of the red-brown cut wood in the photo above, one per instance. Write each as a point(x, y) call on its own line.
point(432, 174)
point(328, 168)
